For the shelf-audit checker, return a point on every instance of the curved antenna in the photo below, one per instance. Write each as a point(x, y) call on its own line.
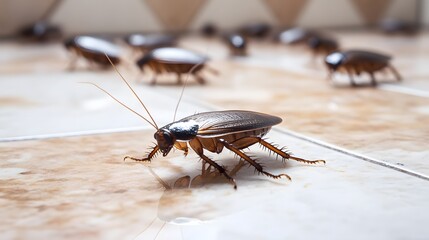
point(132, 90)
point(183, 89)
point(138, 114)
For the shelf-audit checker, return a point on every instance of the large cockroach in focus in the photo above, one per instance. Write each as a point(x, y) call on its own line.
point(237, 44)
point(358, 61)
point(148, 42)
point(174, 60)
point(214, 131)
point(94, 50)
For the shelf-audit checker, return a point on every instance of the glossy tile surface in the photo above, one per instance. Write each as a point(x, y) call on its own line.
point(62, 143)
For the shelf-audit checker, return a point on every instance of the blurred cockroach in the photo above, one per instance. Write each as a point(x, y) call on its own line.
point(148, 42)
point(209, 30)
point(41, 30)
point(93, 49)
point(358, 61)
point(296, 35)
point(173, 60)
point(322, 45)
point(255, 30)
point(237, 44)
point(397, 26)
point(214, 131)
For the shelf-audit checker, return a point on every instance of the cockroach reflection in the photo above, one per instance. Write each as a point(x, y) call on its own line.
point(94, 50)
point(215, 131)
point(174, 60)
point(355, 62)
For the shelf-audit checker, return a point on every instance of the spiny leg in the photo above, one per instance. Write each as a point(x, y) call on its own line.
point(257, 166)
point(146, 159)
point(287, 155)
point(198, 148)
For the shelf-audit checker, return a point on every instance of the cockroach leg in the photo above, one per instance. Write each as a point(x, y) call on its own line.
point(257, 166)
point(373, 81)
point(146, 159)
point(182, 146)
point(198, 148)
point(352, 81)
point(200, 79)
point(287, 155)
point(179, 79)
point(395, 72)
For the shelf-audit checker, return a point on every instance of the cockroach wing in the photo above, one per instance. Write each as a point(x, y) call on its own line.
point(177, 56)
point(359, 55)
point(218, 123)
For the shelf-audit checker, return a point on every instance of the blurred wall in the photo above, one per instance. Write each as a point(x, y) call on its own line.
point(112, 16)
point(425, 13)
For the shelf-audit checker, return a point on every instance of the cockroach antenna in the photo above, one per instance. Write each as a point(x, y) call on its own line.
point(183, 89)
point(135, 94)
point(186, 81)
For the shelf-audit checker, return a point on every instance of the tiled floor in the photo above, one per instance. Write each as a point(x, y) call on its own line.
point(62, 144)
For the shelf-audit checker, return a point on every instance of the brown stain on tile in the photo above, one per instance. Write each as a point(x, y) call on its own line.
point(286, 12)
point(15, 102)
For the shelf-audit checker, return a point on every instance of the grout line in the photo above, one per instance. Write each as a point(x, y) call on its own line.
point(405, 90)
point(351, 153)
point(73, 134)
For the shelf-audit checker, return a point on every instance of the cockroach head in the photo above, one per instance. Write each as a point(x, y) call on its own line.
point(334, 60)
point(165, 140)
point(314, 42)
point(69, 43)
point(144, 60)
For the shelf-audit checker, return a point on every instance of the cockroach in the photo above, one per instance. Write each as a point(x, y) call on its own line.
point(322, 45)
point(93, 49)
point(397, 26)
point(40, 32)
point(209, 30)
point(255, 30)
point(237, 44)
point(213, 131)
point(358, 61)
point(148, 42)
point(296, 35)
point(173, 60)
